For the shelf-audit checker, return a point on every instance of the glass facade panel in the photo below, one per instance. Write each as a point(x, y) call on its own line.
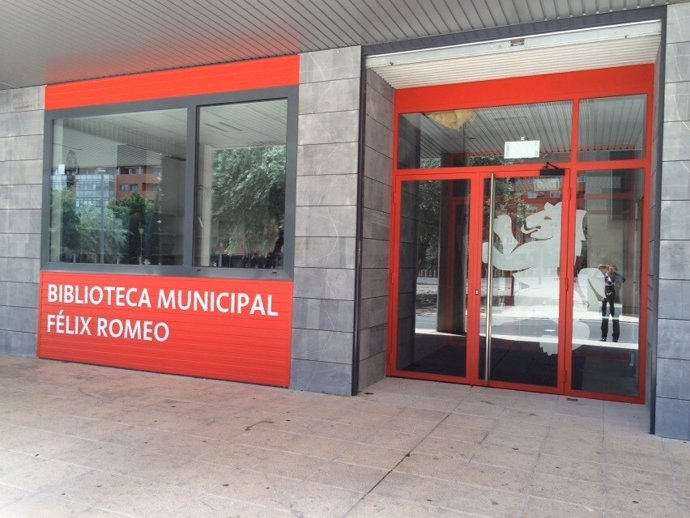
point(241, 185)
point(606, 295)
point(117, 188)
point(434, 255)
point(613, 128)
point(476, 137)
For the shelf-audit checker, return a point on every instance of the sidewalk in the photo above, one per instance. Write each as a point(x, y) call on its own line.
point(78, 440)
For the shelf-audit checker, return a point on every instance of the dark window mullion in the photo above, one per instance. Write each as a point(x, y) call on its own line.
point(190, 185)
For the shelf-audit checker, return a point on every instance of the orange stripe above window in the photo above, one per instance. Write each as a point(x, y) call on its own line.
point(230, 77)
point(531, 89)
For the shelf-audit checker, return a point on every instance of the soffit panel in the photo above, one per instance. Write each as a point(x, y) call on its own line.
point(568, 51)
point(530, 62)
point(66, 40)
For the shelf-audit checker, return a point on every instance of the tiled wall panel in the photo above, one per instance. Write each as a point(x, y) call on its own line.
point(21, 163)
point(373, 322)
point(672, 362)
point(326, 221)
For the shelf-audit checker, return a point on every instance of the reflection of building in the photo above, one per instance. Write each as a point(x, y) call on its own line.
point(94, 188)
point(91, 187)
point(144, 180)
point(61, 181)
point(97, 187)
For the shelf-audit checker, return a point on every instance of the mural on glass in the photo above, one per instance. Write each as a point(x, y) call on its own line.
point(520, 280)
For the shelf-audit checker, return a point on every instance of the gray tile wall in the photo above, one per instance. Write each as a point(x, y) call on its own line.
point(378, 150)
point(21, 166)
point(672, 413)
point(326, 221)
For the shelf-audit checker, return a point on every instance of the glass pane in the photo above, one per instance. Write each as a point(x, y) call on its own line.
point(613, 128)
point(117, 188)
point(474, 137)
point(432, 310)
point(606, 319)
point(241, 185)
point(525, 285)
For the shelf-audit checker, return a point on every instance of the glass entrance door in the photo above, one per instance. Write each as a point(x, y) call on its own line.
point(520, 280)
point(478, 279)
point(434, 322)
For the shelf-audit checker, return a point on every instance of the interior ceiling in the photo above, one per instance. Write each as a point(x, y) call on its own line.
point(234, 125)
point(66, 40)
point(610, 124)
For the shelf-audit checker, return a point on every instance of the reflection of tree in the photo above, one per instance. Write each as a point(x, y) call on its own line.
point(64, 247)
point(430, 163)
point(511, 202)
point(428, 223)
point(249, 197)
point(140, 220)
point(474, 160)
point(101, 232)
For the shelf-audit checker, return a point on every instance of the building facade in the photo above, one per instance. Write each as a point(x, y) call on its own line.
point(442, 209)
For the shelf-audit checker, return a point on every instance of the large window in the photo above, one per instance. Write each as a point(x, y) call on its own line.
point(117, 188)
point(197, 184)
point(474, 137)
point(241, 185)
point(613, 128)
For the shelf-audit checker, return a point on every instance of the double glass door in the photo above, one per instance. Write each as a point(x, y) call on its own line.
point(479, 279)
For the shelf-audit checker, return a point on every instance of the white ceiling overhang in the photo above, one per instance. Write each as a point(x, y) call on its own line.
point(583, 49)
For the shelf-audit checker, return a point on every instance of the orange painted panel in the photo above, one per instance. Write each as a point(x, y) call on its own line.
point(230, 329)
point(518, 90)
point(212, 79)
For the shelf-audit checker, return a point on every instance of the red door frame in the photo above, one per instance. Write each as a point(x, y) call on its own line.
point(569, 86)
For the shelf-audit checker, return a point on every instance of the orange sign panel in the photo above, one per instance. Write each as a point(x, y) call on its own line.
point(166, 84)
point(228, 329)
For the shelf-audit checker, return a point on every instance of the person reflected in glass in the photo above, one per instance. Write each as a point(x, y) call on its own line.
point(612, 280)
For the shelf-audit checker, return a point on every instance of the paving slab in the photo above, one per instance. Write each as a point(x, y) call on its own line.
point(86, 441)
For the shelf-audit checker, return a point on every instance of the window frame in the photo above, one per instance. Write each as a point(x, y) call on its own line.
point(579, 154)
point(192, 105)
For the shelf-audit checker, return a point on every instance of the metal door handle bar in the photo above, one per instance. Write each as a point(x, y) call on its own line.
point(489, 282)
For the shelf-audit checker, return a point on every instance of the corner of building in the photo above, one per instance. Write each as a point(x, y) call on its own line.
point(672, 389)
point(325, 221)
point(21, 171)
point(375, 232)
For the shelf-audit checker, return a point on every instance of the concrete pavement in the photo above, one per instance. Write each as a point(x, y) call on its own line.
point(79, 440)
